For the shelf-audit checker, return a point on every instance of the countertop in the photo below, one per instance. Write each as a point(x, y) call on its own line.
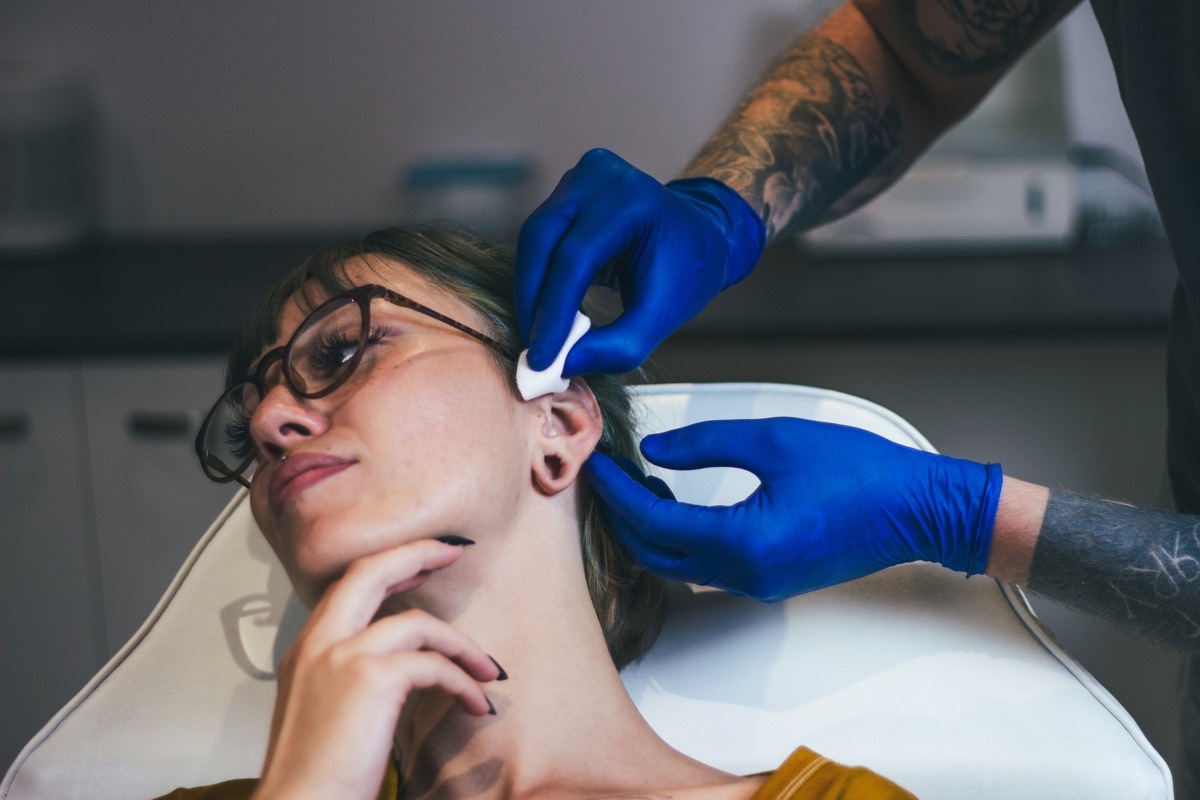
point(173, 296)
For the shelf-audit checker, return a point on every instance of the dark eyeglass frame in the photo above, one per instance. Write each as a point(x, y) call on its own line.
point(215, 469)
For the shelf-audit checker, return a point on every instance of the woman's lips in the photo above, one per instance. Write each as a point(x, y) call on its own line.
point(299, 472)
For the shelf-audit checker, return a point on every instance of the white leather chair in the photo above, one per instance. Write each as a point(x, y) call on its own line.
point(945, 684)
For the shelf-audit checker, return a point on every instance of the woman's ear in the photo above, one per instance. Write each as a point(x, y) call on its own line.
point(567, 427)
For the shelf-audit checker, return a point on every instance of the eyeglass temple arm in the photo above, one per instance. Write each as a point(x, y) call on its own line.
point(215, 464)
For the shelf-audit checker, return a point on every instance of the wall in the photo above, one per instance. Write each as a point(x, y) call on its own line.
point(220, 116)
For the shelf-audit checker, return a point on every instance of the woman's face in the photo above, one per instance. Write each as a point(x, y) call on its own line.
point(425, 439)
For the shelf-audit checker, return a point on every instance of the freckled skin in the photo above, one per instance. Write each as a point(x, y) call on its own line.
point(408, 421)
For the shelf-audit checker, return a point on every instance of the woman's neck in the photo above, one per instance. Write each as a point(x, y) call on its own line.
point(565, 726)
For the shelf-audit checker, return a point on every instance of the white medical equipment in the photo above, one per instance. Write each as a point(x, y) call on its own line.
point(945, 684)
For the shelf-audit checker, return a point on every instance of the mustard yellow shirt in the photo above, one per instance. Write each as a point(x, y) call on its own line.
point(805, 775)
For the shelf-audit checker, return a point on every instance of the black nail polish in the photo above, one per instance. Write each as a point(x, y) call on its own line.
point(457, 541)
point(503, 676)
point(491, 708)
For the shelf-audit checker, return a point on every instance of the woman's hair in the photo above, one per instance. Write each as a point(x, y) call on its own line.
point(629, 601)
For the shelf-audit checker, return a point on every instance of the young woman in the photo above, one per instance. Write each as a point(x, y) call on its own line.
point(437, 526)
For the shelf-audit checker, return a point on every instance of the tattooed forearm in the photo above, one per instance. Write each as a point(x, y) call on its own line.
point(1138, 568)
point(965, 37)
point(823, 134)
point(809, 143)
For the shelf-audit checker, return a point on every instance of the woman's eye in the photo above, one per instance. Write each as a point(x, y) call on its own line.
point(331, 353)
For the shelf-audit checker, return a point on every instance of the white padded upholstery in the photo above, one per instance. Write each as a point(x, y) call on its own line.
point(945, 684)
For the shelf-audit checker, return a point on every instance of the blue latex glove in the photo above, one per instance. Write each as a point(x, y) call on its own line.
point(835, 503)
point(670, 248)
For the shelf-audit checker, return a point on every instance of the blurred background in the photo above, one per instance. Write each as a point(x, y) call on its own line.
point(161, 164)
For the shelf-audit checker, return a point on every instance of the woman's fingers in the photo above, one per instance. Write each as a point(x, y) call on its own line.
point(423, 669)
point(340, 629)
point(352, 601)
point(419, 630)
point(344, 683)
point(336, 716)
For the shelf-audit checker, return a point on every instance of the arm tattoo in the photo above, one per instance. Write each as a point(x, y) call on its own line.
point(801, 141)
point(814, 141)
point(1137, 568)
point(964, 37)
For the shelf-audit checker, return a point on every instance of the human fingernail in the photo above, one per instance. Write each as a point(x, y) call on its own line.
point(503, 676)
point(491, 708)
point(457, 541)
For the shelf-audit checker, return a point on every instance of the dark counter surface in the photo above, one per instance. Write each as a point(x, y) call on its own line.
point(138, 297)
point(1097, 291)
point(190, 297)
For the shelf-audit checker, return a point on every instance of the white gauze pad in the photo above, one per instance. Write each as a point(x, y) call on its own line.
point(533, 384)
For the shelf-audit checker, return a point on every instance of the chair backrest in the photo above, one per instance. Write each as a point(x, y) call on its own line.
point(947, 685)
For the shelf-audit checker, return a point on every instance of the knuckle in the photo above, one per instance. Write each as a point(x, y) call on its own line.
point(777, 437)
point(531, 230)
point(625, 353)
point(358, 570)
point(599, 157)
point(569, 250)
point(358, 667)
point(303, 651)
point(416, 617)
point(424, 667)
point(638, 184)
point(574, 257)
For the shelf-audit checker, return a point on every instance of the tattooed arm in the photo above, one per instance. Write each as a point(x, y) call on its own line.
point(1135, 567)
point(844, 112)
point(853, 103)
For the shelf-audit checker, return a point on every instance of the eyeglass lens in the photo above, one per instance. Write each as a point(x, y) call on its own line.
point(322, 354)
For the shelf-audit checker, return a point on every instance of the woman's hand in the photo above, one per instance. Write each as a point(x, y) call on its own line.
point(344, 682)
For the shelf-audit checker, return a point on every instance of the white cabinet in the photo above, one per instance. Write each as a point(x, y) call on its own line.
point(51, 617)
point(150, 498)
point(101, 500)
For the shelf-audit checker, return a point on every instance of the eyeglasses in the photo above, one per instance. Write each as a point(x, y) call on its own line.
point(321, 356)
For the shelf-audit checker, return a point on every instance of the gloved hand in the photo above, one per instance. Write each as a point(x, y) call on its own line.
point(670, 248)
point(835, 503)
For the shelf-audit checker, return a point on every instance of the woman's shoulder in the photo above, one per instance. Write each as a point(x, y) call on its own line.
point(807, 775)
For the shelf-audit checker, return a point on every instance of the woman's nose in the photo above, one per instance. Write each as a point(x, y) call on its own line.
point(282, 422)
